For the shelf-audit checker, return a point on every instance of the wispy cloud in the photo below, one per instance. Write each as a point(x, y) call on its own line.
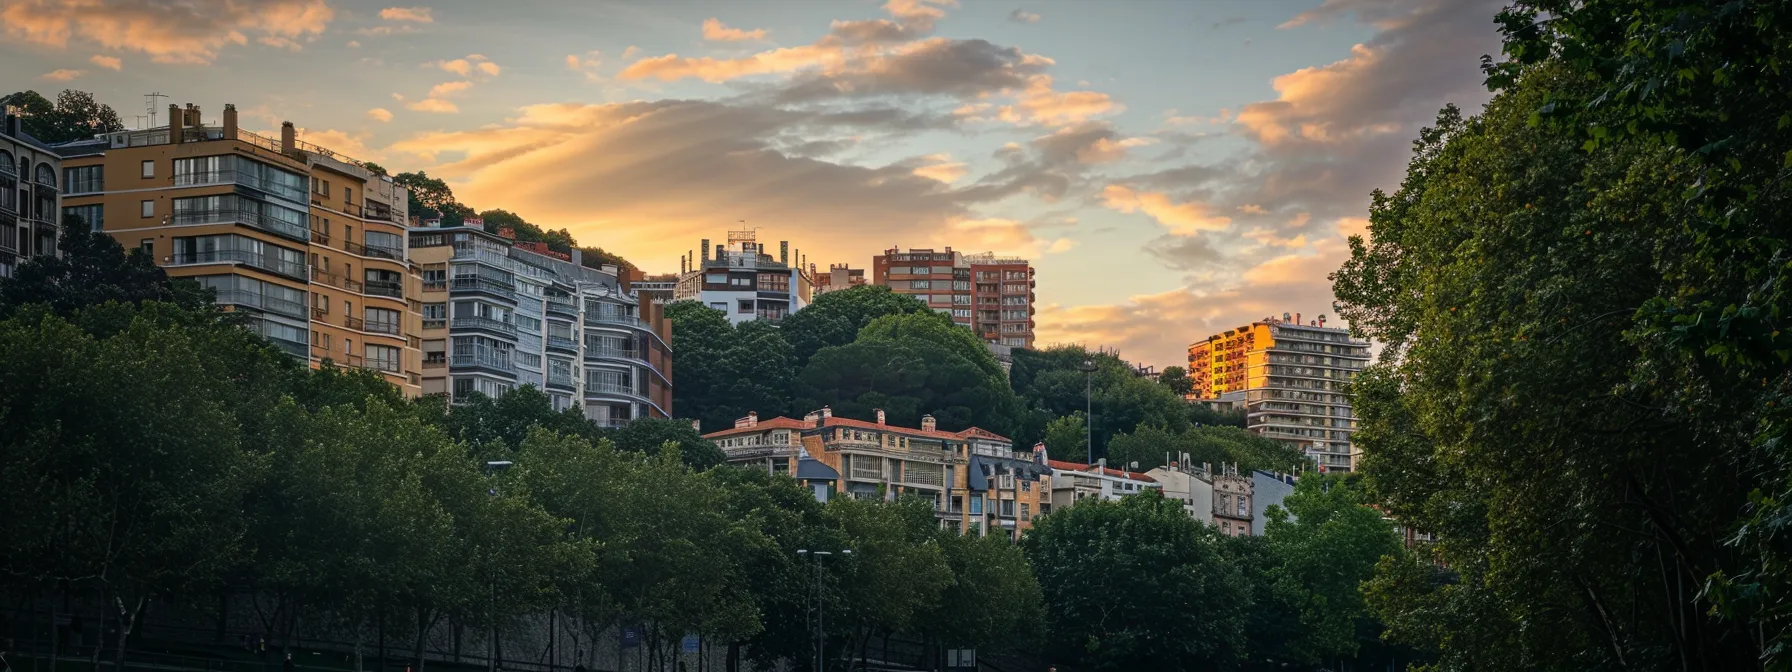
point(63, 74)
point(107, 62)
point(191, 32)
point(1023, 16)
point(715, 31)
point(412, 14)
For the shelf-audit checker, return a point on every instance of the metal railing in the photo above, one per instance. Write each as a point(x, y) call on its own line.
point(384, 288)
point(563, 307)
point(560, 380)
point(325, 277)
point(466, 283)
point(435, 322)
point(613, 353)
point(264, 262)
point(435, 285)
point(606, 318)
point(486, 359)
point(92, 185)
point(563, 343)
point(241, 216)
point(382, 327)
point(238, 297)
point(487, 323)
point(602, 387)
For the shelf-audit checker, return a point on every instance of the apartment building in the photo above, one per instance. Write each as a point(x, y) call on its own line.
point(989, 294)
point(976, 480)
point(655, 288)
point(744, 281)
point(1189, 484)
point(838, 277)
point(1073, 482)
point(1290, 379)
point(496, 316)
point(30, 198)
point(310, 244)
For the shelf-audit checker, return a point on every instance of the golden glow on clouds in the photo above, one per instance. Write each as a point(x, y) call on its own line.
point(380, 114)
point(1179, 218)
point(107, 62)
point(63, 74)
point(715, 31)
point(413, 14)
point(187, 33)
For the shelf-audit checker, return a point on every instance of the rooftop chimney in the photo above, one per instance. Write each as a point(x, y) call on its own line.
point(880, 416)
point(928, 423)
point(696, 425)
point(289, 137)
point(176, 121)
point(752, 420)
point(230, 128)
point(705, 249)
point(812, 418)
point(827, 412)
point(784, 252)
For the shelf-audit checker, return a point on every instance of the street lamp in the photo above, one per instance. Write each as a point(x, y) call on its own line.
point(1088, 368)
point(821, 633)
point(492, 467)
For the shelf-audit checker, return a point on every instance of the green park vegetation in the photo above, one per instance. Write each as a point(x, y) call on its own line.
point(1582, 293)
point(159, 454)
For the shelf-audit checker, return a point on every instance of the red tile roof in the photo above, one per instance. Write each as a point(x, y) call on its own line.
point(764, 425)
point(788, 423)
point(1078, 466)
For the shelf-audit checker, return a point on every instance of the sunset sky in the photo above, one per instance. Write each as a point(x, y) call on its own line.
point(1172, 167)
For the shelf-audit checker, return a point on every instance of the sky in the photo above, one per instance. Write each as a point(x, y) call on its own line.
point(1173, 168)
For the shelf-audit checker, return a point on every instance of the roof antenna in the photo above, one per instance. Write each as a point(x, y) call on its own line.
point(151, 103)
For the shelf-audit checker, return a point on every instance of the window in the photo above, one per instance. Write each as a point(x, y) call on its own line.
point(435, 311)
point(149, 169)
point(1026, 512)
point(528, 359)
point(320, 340)
point(83, 180)
point(746, 306)
point(348, 194)
point(148, 209)
point(1008, 507)
point(718, 305)
point(382, 320)
point(92, 215)
point(148, 247)
point(976, 505)
point(920, 284)
point(528, 324)
point(383, 357)
point(322, 303)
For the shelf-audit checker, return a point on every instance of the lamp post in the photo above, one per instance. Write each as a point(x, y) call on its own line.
point(821, 633)
point(1088, 368)
point(491, 578)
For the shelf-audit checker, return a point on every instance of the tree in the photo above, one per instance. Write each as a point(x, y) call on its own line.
point(1067, 438)
point(430, 197)
point(649, 435)
point(835, 318)
point(495, 427)
point(894, 574)
point(76, 115)
point(1052, 381)
point(1151, 445)
point(911, 365)
point(787, 518)
point(1550, 401)
point(1326, 543)
point(1176, 378)
point(725, 372)
point(986, 571)
point(1185, 606)
point(93, 269)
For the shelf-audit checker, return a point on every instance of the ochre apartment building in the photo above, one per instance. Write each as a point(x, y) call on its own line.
point(1289, 378)
point(310, 243)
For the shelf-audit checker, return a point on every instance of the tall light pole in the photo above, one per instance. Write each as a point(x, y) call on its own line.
point(821, 633)
point(1088, 368)
point(491, 578)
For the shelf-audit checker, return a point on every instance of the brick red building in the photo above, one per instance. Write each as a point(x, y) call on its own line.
point(991, 295)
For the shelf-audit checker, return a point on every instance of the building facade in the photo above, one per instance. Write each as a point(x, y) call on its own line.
point(991, 295)
point(838, 277)
point(31, 179)
point(1233, 511)
point(1290, 379)
point(310, 244)
point(744, 280)
point(976, 480)
point(497, 316)
point(1191, 485)
point(1073, 482)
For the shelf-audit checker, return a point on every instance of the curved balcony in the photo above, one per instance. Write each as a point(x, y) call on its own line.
point(250, 218)
point(290, 269)
point(483, 324)
point(465, 284)
point(565, 308)
point(566, 345)
point(483, 360)
point(624, 320)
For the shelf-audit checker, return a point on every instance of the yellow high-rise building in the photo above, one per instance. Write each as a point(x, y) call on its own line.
point(1289, 378)
point(309, 243)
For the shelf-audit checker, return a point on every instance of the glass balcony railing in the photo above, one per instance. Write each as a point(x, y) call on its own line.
point(291, 269)
point(486, 323)
point(486, 359)
point(293, 230)
point(384, 288)
point(476, 284)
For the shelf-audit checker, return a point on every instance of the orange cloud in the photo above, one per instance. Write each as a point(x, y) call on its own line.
point(435, 105)
point(941, 167)
point(467, 66)
point(107, 62)
point(413, 14)
point(715, 31)
point(1307, 100)
point(1180, 218)
point(1041, 104)
point(63, 74)
point(186, 33)
point(446, 89)
point(672, 67)
point(380, 114)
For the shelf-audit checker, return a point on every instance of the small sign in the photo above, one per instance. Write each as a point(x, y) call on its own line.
point(692, 643)
point(631, 636)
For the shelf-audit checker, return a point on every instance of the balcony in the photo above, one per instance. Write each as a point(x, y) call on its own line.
point(872, 473)
point(563, 344)
point(484, 360)
point(378, 251)
point(84, 186)
point(291, 269)
point(435, 323)
point(557, 307)
point(237, 297)
point(614, 353)
point(484, 324)
point(560, 381)
point(610, 318)
point(385, 288)
point(602, 387)
point(382, 328)
point(248, 218)
point(484, 285)
point(324, 277)
point(435, 285)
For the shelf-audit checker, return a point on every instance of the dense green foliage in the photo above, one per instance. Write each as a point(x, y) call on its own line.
point(75, 115)
point(911, 365)
point(1582, 294)
point(835, 318)
point(432, 198)
point(724, 371)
